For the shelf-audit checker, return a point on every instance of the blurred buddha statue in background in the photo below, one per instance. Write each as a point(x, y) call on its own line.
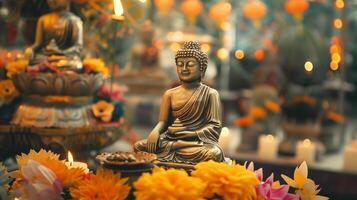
point(146, 54)
point(143, 74)
point(58, 38)
point(190, 123)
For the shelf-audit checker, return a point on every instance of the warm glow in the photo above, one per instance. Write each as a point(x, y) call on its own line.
point(270, 137)
point(239, 54)
point(309, 66)
point(334, 66)
point(175, 36)
point(335, 49)
point(259, 55)
point(224, 132)
point(337, 23)
point(175, 46)
point(336, 57)
point(70, 158)
point(225, 26)
point(222, 53)
point(142, 1)
point(339, 4)
point(306, 143)
point(205, 48)
point(118, 8)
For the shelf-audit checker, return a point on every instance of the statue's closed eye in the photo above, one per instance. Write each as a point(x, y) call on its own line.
point(191, 63)
point(180, 63)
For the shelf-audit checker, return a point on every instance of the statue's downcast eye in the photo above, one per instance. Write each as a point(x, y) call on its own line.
point(179, 64)
point(191, 63)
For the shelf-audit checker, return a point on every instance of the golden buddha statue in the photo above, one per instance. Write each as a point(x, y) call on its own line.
point(58, 38)
point(189, 124)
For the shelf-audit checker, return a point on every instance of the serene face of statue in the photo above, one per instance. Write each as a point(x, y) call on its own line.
point(57, 4)
point(188, 69)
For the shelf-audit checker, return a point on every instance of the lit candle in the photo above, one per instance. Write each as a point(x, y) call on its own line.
point(306, 151)
point(118, 11)
point(228, 140)
point(72, 164)
point(267, 147)
point(349, 157)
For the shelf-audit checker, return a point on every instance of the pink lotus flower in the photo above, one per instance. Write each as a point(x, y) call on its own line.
point(270, 190)
point(38, 182)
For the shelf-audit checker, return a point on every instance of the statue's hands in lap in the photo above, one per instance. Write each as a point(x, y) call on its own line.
point(152, 141)
point(185, 134)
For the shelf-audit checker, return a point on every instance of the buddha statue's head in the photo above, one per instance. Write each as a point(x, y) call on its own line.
point(191, 62)
point(56, 5)
point(147, 32)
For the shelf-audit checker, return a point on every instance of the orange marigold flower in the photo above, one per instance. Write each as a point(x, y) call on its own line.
point(227, 181)
point(272, 106)
point(243, 121)
point(104, 185)
point(103, 110)
point(335, 117)
point(68, 176)
point(168, 184)
point(15, 67)
point(258, 112)
point(7, 90)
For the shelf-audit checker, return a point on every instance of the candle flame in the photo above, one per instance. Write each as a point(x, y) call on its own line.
point(306, 142)
point(118, 8)
point(270, 137)
point(70, 158)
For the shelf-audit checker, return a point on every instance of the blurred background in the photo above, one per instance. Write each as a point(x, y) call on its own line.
point(286, 71)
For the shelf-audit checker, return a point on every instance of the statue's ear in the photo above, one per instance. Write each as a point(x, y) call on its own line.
point(203, 72)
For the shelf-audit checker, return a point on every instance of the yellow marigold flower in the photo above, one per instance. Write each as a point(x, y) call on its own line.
point(272, 106)
point(257, 112)
point(15, 67)
point(95, 65)
point(168, 184)
point(41, 157)
point(104, 185)
point(68, 176)
point(227, 181)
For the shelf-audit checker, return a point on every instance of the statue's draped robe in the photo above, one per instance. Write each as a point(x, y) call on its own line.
point(200, 114)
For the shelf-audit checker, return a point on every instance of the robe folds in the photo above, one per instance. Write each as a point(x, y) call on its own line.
point(201, 114)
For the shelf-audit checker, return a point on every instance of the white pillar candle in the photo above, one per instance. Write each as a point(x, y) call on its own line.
point(349, 157)
point(72, 164)
point(306, 151)
point(267, 147)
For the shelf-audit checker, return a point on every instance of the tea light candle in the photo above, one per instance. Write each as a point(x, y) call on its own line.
point(267, 147)
point(72, 164)
point(349, 157)
point(306, 151)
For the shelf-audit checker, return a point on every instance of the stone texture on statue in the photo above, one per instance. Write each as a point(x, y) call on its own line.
point(189, 124)
point(58, 38)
